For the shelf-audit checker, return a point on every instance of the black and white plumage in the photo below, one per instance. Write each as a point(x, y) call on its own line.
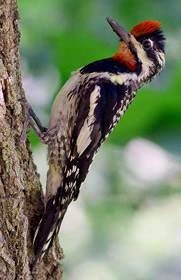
point(84, 113)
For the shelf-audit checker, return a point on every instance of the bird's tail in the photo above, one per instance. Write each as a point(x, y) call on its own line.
point(48, 228)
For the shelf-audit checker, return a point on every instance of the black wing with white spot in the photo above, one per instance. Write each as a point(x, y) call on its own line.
point(105, 105)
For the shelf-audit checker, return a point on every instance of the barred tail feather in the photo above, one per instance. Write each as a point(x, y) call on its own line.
point(47, 228)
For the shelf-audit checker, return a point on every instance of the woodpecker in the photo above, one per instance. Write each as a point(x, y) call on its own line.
point(84, 113)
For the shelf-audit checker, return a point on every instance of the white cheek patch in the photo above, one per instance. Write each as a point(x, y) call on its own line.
point(146, 62)
point(84, 138)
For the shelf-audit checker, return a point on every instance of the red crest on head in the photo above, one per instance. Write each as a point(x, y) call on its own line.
point(145, 27)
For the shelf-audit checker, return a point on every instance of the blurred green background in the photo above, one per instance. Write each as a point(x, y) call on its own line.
point(126, 224)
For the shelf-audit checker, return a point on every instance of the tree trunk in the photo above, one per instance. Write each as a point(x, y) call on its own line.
point(21, 197)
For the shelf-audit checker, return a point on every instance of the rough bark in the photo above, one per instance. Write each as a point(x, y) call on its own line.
point(21, 199)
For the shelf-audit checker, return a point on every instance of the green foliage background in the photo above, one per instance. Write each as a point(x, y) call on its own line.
point(129, 224)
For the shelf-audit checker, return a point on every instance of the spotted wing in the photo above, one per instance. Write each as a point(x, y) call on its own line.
point(99, 113)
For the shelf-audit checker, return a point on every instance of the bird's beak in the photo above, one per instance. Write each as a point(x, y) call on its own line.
point(119, 30)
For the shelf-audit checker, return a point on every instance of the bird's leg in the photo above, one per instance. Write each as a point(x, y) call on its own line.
point(34, 121)
point(33, 115)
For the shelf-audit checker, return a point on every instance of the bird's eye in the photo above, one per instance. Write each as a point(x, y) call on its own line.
point(147, 44)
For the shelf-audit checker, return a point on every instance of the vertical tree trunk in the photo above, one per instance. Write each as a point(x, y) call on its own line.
point(21, 199)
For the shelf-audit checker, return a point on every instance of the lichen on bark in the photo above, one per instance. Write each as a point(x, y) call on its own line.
point(21, 197)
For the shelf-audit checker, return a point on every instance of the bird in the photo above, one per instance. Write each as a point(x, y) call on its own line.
point(84, 113)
